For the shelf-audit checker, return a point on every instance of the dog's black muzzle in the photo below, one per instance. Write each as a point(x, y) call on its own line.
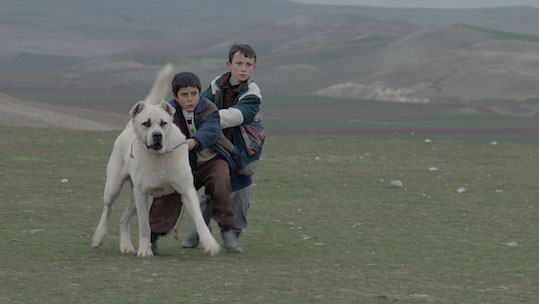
point(157, 142)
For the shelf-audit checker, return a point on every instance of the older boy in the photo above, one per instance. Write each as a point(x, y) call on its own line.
point(238, 99)
point(211, 157)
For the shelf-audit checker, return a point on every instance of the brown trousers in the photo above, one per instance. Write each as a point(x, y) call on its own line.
point(214, 175)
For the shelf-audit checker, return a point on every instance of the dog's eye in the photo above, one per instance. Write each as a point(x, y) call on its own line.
point(147, 124)
point(163, 123)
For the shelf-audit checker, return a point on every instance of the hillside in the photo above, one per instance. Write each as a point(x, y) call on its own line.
point(454, 63)
point(525, 23)
point(302, 52)
point(412, 55)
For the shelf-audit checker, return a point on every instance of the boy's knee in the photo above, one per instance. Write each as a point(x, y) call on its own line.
point(164, 213)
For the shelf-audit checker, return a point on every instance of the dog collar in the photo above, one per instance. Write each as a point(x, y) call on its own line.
point(183, 143)
point(131, 153)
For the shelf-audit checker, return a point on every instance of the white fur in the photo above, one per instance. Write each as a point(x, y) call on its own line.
point(145, 157)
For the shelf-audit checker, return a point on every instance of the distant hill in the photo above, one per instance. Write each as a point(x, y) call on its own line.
point(525, 23)
point(428, 17)
point(298, 59)
point(411, 55)
point(454, 63)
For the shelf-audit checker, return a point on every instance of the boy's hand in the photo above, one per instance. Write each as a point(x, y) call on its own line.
point(192, 143)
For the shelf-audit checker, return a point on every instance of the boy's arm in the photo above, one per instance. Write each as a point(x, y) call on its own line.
point(208, 131)
point(231, 117)
point(245, 110)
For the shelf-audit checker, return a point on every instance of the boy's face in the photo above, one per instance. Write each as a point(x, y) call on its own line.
point(241, 68)
point(188, 98)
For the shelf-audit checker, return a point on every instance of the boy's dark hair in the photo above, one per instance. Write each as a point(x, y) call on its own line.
point(245, 49)
point(185, 79)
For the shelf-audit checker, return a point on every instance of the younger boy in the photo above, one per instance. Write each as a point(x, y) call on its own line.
point(211, 156)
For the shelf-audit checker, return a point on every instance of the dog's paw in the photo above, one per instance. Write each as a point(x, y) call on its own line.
point(127, 248)
point(98, 237)
point(145, 253)
point(96, 243)
point(212, 249)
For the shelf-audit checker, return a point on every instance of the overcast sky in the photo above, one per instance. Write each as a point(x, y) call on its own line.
point(429, 3)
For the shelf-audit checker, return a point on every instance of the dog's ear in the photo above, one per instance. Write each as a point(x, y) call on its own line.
point(168, 108)
point(137, 109)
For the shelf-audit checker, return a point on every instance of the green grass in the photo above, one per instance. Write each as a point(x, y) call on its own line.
point(533, 100)
point(325, 226)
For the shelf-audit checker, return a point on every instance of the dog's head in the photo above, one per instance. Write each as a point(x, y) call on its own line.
point(152, 124)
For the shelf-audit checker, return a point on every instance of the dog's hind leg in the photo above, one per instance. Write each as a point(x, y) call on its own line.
point(126, 246)
point(113, 185)
point(190, 200)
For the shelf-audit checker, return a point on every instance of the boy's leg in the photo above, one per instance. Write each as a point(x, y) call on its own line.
point(164, 213)
point(241, 199)
point(219, 188)
point(214, 175)
point(217, 184)
point(242, 202)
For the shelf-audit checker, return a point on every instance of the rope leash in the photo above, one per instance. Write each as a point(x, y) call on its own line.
point(131, 148)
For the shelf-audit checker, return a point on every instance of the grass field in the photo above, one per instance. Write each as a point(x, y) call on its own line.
point(325, 225)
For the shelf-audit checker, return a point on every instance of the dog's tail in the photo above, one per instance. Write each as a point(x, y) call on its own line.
point(161, 86)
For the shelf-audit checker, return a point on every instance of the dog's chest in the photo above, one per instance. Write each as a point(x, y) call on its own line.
point(156, 184)
point(160, 191)
point(154, 174)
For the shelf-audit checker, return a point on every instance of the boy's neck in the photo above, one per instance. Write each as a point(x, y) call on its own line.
point(190, 113)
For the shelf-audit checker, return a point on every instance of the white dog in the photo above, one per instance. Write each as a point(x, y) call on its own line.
point(152, 155)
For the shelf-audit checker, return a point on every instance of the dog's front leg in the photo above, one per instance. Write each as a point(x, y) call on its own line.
point(190, 200)
point(144, 244)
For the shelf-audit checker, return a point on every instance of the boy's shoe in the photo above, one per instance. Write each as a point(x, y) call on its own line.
point(154, 249)
point(230, 240)
point(237, 232)
point(153, 238)
point(191, 241)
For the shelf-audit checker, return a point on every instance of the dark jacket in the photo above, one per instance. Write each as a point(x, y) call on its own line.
point(208, 134)
point(250, 135)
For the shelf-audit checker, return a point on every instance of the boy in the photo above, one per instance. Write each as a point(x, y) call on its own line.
point(211, 156)
point(238, 99)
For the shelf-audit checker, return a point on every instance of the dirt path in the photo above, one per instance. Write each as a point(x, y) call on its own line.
point(23, 113)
